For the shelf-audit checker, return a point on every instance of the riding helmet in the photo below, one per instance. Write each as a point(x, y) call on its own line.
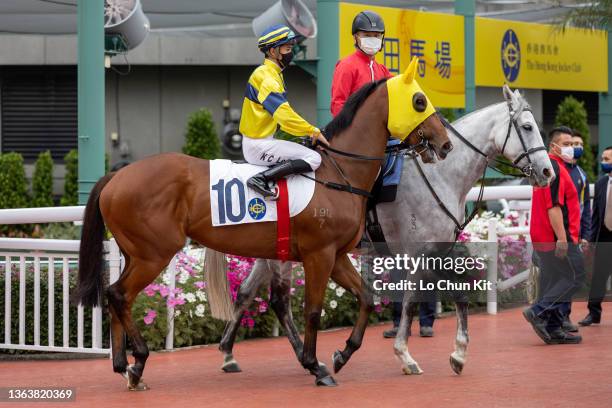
point(368, 21)
point(275, 36)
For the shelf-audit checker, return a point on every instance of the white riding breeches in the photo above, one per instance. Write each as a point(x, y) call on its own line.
point(269, 151)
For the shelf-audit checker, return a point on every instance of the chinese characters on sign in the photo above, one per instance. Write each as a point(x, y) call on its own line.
point(542, 49)
point(442, 53)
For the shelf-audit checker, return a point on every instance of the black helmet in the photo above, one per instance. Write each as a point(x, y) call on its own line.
point(368, 21)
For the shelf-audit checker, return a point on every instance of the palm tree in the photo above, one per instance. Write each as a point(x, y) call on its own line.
point(590, 16)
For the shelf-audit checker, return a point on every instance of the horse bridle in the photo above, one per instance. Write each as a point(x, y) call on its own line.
point(512, 122)
point(526, 170)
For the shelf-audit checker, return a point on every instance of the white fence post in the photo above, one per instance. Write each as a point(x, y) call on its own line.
point(492, 269)
point(170, 325)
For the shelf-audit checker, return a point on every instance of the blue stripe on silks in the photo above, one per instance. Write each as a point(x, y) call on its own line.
point(251, 93)
point(273, 101)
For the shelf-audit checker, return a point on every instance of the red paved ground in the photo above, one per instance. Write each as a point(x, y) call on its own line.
point(508, 366)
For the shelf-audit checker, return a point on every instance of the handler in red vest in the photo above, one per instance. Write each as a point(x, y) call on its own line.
point(359, 68)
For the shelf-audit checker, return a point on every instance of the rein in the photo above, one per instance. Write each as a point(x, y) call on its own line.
point(403, 146)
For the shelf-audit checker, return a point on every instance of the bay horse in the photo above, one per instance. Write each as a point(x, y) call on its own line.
point(486, 133)
point(153, 205)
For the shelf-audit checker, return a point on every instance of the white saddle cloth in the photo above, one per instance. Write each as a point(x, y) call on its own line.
point(231, 202)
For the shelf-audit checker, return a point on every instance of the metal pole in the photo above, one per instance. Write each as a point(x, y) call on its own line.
point(605, 108)
point(90, 94)
point(492, 268)
point(467, 8)
point(328, 48)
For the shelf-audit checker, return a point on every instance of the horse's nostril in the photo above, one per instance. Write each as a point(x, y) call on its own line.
point(546, 172)
point(447, 147)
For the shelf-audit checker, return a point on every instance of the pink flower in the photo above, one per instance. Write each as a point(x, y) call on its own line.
point(292, 291)
point(299, 282)
point(164, 290)
point(173, 302)
point(151, 289)
point(263, 306)
point(378, 308)
point(150, 316)
point(200, 284)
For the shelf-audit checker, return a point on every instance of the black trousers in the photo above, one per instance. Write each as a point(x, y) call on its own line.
point(602, 268)
point(558, 283)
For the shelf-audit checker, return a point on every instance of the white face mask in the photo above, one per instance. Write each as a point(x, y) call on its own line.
point(370, 45)
point(567, 153)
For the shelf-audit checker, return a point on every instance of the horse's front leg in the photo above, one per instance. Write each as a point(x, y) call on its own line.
point(260, 274)
point(409, 365)
point(345, 275)
point(317, 267)
point(280, 288)
point(459, 356)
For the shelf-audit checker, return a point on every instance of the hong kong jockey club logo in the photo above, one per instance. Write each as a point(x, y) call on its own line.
point(510, 55)
point(257, 208)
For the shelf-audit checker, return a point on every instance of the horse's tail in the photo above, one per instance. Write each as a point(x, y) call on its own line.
point(91, 253)
point(219, 299)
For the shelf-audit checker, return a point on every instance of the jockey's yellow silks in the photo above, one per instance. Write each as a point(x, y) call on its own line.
point(403, 118)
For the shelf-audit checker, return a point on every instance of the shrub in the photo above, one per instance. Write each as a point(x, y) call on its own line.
point(201, 139)
point(71, 181)
point(13, 184)
point(572, 113)
point(42, 181)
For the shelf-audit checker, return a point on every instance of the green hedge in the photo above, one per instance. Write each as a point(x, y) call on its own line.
point(42, 181)
point(201, 138)
point(13, 184)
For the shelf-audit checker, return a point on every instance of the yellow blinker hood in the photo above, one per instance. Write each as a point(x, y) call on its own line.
point(403, 118)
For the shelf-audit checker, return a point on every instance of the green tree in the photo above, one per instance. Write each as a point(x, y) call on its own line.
point(42, 181)
point(201, 139)
point(13, 184)
point(71, 180)
point(572, 113)
point(589, 15)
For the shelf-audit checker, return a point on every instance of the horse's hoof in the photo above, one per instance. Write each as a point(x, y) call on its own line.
point(456, 363)
point(327, 381)
point(412, 369)
point(134, 382)
point(338, 360)
point(231, 367)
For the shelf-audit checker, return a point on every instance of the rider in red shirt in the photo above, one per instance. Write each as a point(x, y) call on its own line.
point(359, 68)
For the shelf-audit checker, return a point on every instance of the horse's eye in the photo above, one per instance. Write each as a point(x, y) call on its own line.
point(527, 127)
point(419, 102)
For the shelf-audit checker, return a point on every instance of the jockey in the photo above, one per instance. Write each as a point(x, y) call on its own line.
point(265, 107)
point(359, 68)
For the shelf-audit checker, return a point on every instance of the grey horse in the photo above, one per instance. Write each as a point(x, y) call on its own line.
point(507, 128)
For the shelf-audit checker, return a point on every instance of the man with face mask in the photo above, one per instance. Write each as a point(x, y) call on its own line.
point(265, 107)
point(581, 183)
point(554, 229)
point(601, 234)
point(359, 68)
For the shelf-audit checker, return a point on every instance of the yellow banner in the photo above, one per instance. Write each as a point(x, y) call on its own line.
point(528, 55)
point(437, 39)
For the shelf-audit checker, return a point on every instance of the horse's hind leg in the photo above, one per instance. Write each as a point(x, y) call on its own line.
point(122, 294)
point(409, 365)
point(260, 274)
point(281, 303)
point(459, 356)
point(345, 275)
point(115, 303)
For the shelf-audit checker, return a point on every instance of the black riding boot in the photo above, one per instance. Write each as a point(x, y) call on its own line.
point(260, 182)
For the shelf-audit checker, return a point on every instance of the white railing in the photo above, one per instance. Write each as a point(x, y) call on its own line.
point(495, 231)
point(45, 255)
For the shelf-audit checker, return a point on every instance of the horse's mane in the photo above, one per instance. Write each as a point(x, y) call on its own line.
point(346, 116)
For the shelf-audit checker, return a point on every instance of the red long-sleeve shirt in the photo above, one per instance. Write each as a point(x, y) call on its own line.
point(352, 73)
